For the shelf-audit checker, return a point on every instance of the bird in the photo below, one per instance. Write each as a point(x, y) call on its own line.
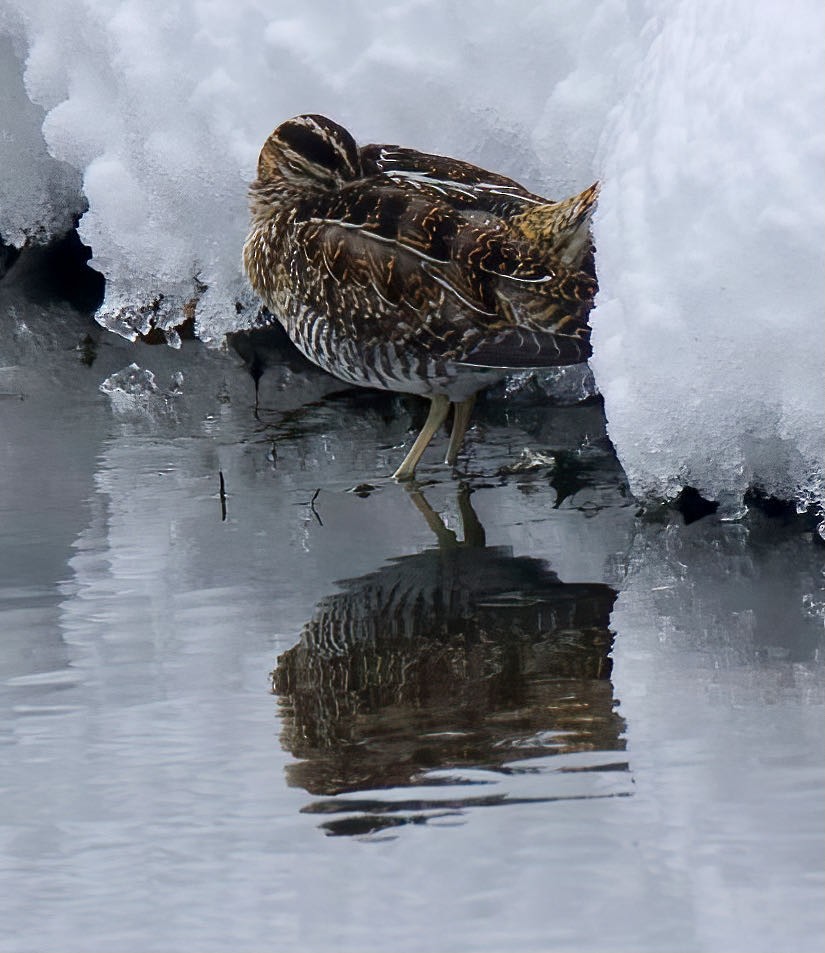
point(414, 272)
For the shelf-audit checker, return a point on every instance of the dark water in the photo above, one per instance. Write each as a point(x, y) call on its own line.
point(510, 713)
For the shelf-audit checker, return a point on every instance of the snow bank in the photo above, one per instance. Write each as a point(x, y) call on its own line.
point(702, 120)
point(709, 340)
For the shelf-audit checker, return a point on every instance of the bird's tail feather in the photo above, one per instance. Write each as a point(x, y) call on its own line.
point(562, 227)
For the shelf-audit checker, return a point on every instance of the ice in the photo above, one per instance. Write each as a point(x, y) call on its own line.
point(700, 120)
point(135, 391)
point(563, 385)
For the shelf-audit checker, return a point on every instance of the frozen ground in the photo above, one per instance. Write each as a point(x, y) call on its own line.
point(646, 778)
point(698, 118)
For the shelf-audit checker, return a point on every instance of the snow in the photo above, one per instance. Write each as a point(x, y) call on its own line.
point(39, 197)
point(709, 345)
point(701, 120)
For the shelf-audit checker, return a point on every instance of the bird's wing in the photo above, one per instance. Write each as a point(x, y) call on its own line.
point(464, 185)
point(525, 348)
point(407, 248)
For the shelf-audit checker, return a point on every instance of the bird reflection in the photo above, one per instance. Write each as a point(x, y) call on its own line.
point(460, 656)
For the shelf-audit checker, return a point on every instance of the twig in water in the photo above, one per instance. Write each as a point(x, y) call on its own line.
point(312, 506)
point(223, 497)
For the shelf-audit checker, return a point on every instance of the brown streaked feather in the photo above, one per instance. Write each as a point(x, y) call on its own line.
point(464, 185)
point(563, 228)
point(550, 222)
point(466, 259)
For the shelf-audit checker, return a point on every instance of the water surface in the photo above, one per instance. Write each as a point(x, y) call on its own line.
point(511, 713)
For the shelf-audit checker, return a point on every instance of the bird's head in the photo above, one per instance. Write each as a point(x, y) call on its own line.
point(308, 153)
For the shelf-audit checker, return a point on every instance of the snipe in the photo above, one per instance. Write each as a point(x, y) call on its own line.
point(417, 273)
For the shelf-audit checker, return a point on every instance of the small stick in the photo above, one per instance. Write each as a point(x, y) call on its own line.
point(312, 506)
point(223, 497)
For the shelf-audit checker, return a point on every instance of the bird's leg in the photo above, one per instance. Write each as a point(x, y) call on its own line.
point(439, 405)
point(446, 537)
point(461, 420)
point(474, 534)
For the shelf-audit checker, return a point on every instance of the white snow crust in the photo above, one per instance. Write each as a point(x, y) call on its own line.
point(703, 121)
point(40, 197)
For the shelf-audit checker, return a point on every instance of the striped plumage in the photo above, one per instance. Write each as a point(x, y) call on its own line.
point(464, 651)
point(411, 272)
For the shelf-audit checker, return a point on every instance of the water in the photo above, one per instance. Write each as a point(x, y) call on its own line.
point(512, 713)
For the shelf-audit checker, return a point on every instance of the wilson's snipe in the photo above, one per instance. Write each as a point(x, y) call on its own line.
point(411, 272)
